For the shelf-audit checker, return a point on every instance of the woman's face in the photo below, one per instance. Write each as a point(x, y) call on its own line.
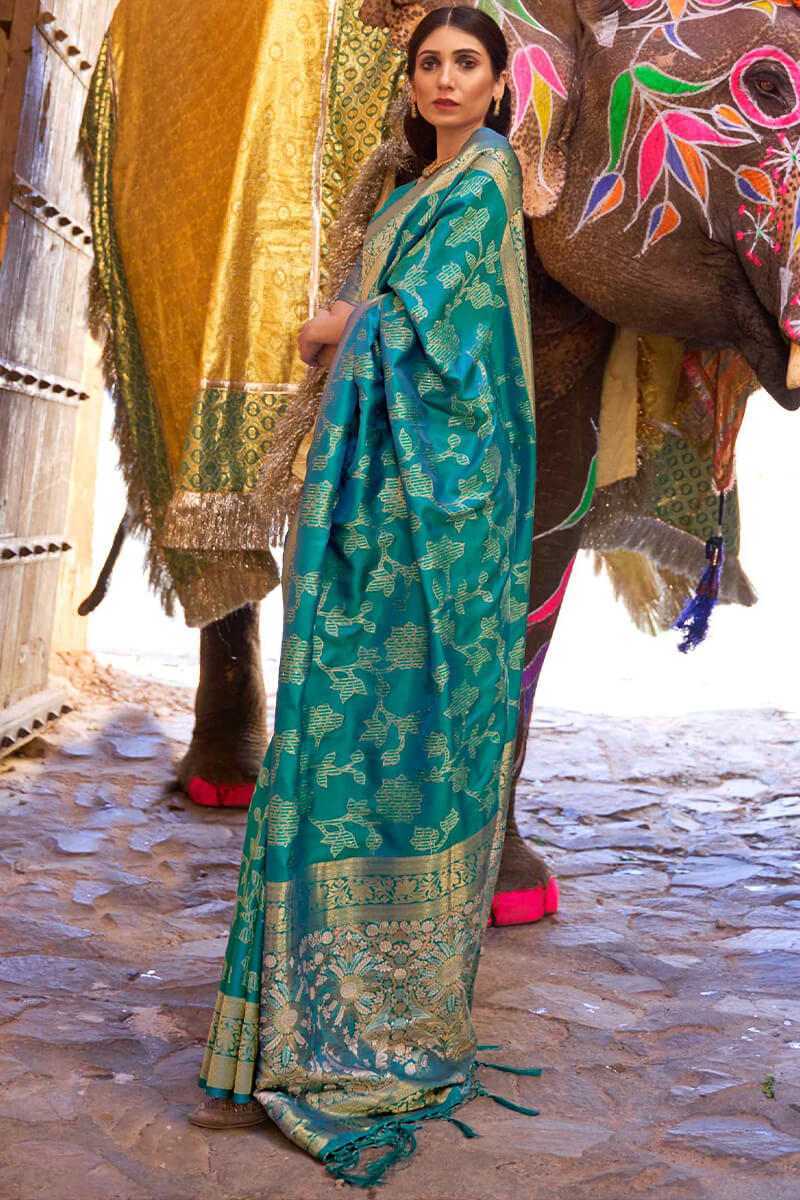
point(453, 83)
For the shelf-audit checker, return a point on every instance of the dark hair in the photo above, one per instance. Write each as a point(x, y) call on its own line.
point(420, 134)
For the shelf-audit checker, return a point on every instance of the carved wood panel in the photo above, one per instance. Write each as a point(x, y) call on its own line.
point(46, 257)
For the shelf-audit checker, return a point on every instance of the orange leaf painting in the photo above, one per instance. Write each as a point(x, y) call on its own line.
point(664, 219)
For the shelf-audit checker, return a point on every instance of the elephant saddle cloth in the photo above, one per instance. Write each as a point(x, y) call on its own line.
point(220, 138)
point(668, 426)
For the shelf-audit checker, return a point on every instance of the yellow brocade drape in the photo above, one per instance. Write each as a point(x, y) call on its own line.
point(217, 125)
point(223, 137)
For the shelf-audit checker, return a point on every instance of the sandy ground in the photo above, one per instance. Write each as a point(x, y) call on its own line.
point(662, 1003)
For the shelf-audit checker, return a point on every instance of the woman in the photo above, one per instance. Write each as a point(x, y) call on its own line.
point(375, 832)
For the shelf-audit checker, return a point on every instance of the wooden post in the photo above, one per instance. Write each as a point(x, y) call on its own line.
point(43, 341)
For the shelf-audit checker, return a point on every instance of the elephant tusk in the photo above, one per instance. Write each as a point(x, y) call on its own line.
point(793, 369)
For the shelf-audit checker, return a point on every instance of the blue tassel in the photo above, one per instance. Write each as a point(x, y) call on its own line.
point(697, 611)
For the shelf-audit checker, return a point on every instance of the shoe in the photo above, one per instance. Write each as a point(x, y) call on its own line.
point(225, 1114)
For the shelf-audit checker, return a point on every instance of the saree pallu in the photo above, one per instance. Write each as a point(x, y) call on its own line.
point(375, 831)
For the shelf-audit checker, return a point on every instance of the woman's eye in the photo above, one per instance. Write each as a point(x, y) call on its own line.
point(467, 62)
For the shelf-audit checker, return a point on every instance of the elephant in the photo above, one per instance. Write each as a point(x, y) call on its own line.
point(662, 202)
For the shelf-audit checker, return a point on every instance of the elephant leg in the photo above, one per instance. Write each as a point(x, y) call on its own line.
point(567, 456)
point(230, 727)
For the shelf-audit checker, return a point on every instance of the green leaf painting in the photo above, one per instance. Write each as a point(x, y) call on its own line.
point(618, 114)
point(492, 10)
point(667, 85)
point(514, 8)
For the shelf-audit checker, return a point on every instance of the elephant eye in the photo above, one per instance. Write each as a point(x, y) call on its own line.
point(770, 88)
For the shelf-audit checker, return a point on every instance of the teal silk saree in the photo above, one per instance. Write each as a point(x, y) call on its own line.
point(375, 831)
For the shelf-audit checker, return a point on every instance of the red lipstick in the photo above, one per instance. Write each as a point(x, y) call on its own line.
point(445, 104)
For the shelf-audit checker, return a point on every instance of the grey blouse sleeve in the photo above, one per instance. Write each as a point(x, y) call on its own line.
point(351, 292)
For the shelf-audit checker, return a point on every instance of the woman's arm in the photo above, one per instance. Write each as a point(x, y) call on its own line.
point(324, 329)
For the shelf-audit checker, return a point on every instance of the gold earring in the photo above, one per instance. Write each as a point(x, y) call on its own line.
point(496, 106)
point(413, 107)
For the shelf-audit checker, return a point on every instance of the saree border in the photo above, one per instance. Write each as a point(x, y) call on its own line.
point(465, 874)
point(364, 890)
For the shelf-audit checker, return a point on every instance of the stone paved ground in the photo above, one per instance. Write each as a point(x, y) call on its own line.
point(662, 1003)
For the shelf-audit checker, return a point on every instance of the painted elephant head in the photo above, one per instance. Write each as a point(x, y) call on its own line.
point(660, 141)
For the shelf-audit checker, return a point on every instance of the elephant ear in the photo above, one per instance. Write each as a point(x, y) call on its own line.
point(541, 77)
point(398, 16)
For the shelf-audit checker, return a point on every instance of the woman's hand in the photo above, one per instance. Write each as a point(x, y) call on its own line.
point(309, 343)
point(319, 337)
point(326, 356)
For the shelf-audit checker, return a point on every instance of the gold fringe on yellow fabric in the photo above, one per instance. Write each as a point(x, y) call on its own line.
point(159, 575)
point(278, 488)
point(655, 428)
point(215, 521)
point(252, 184)
point(278, 491)
point(639, 586)
point(227, 582)
point(230, 576)
point(653, 566)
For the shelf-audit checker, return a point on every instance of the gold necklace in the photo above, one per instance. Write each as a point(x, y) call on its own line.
point(436, 166)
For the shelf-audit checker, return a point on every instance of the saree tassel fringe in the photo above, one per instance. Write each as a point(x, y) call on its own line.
point(399, 1141)
point(532, 1071)
point(696, 614)
point(397, 1136)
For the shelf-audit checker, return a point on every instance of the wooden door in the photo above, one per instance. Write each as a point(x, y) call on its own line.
point(47, 54)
